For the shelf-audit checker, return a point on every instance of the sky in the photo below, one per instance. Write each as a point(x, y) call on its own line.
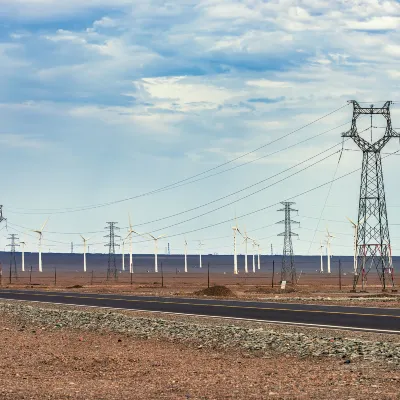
point(105, 100)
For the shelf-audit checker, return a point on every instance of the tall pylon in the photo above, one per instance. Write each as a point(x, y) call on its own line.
point(373, 240)
point(288, 272)
point(13, 261)
point(1, 215)
point(112, 263)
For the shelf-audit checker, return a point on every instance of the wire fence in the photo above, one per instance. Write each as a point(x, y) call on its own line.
point(53, 277)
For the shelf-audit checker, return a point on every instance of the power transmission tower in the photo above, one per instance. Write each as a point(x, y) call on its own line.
point(272, 250)
point(112, 263)
point(373, 241)
point(169, 250)
point(13, 261)
point(1, 215)
point(72, 247)
point(288, 272)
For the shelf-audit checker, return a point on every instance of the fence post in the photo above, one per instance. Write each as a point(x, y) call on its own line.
point(208, 275)
point(340, 275)
point(1, 273)
point(91, 279)
point(55, 276)
point(162, 275)
point(131, 278)
point(273, 272)
point(10, 272)
point(30, 275)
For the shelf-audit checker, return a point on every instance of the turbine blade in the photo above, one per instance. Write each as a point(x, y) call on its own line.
point(352, 222)
point(130, 222)
point(45, 223)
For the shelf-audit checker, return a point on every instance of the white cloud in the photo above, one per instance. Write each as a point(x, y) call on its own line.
point(376, 23)
point(265, 83)
point(229, 10)
point(183, 94)
point(12, 140)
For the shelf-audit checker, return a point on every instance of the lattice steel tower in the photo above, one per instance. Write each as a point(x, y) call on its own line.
point(112, 263)
point(288, 272)
point(13, 261)
point(373, 241)
point(1, 215)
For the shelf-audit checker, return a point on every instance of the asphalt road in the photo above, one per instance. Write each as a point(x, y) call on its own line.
point(355, 318)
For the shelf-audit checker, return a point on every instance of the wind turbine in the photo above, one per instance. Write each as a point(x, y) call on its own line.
point(322, 260)
point(201, 244)
point(328, 244)
point(355, 226)
point(40, 233)
point(130, 245)
point(258, 266)
point(23, 255)
point(235, 263)
point(186, 270)
point(84, 251)
point(254, 260)
point(123, 255)
point(246, 238)
point(156, 250)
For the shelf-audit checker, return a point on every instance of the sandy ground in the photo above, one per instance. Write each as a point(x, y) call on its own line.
point(66, 364)
point(312, 288)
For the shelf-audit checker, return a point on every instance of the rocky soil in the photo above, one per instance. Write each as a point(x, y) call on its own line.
point(257, 340)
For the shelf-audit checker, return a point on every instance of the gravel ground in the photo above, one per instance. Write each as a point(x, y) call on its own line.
point(258, 339)
point(58, 364)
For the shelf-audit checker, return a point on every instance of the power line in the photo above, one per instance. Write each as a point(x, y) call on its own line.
point(271, 205)
point(226, 196)
point(244, 197)
point(263, 208)
point(175, 184)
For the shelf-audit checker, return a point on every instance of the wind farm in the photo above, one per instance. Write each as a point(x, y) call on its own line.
point(200, 200)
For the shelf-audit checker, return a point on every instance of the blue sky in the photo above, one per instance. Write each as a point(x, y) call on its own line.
point(103, 100)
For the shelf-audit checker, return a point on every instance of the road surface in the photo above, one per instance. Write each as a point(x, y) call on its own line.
point(385, 320)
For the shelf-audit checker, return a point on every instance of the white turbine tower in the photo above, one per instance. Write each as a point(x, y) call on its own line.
point(156, 239)
point(131, 231)
point(258, 255)
point(200, 261)
point(235, 263)
point(321, 246)
point(40, 233)
point(84, 251)
point(23, 255)
point(246, 238)
point(186, 269)
point(254, 257)
point(355, 226)
point(123, 255)
point(328, 244)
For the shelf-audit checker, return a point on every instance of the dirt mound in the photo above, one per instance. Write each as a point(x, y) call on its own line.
point(218, 291)
point(75, 287)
